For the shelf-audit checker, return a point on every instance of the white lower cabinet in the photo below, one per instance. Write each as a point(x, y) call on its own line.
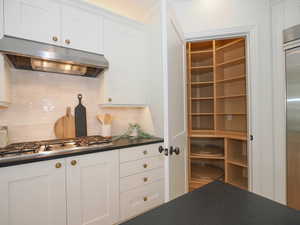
point(141, 180)
point(33, 194)
point(93, 189)
point(83, 190)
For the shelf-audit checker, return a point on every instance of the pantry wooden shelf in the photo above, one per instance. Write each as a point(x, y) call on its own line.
point(202, 98)
point(202, 52)
point(232, 114)
point(232, 62)
point(202, 67)
point(201, 114)
point(208, 83)
point(231, 79)
point(238, 163)
point(234, 42)
point(207, 152)
point(231, 96)
point(199, 156)
point(218, 134)
point(200, 172)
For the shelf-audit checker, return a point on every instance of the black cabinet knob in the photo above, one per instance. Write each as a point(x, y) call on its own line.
point(174, 150)
point(161, 149)
point(177, 151)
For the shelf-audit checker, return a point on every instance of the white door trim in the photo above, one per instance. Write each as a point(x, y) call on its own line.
point(180, 33)
point(252, 70)
point(166, 15)
point(165, 92)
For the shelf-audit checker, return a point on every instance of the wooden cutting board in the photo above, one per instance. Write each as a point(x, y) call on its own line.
point(80, 119)
point(65, 126)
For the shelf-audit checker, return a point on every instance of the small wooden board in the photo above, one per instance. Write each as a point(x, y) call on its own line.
point(65, 126)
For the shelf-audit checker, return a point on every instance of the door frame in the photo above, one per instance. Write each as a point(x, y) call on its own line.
point(250, 32)
point(168, 14)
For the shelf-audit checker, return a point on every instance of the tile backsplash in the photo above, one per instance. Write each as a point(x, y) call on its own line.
point(39, 99)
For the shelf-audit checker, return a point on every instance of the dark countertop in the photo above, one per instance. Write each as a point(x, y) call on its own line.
point(119, 144)
point(219, 204)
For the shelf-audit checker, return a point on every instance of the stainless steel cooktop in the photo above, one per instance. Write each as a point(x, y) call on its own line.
point(31, 149)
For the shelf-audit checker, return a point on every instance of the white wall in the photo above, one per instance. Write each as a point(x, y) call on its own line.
point(39, 99)
point(200, 18)
point(155, 73)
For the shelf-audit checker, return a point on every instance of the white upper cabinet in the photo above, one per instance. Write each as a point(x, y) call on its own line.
point(1, 18)
point(5, 77)
point(4, 71)
point(82, 30)
point(93, 189)
point(37, 20)
point(54, 23)
point(33, 194)
point(124, 81)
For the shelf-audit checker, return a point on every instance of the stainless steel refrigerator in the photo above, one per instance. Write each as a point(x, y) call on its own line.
point(292, 56)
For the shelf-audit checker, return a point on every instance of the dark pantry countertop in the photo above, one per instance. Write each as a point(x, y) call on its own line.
point(119, 144)
point(219, 204)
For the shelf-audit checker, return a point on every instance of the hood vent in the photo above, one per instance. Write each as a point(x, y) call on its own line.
point(30, 55)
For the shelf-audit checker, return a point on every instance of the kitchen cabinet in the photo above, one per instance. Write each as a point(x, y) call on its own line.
point(1, 18)
point(81, 29)
point(37, 20)
point(93, 189)
point(141, 180)
point(55, 23)
point(5, 74)
point(33, 194)
point(124, 47)
point(87, 189)
point(74, 191)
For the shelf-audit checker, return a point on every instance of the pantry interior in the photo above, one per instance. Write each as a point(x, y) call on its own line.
point(218, 112)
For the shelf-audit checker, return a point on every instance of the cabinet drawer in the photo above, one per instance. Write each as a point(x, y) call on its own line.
point(142, 199)
point(140, 166)
point(141, 179)
point(139, 152)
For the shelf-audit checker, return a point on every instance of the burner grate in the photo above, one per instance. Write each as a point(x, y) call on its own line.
point(19, 149)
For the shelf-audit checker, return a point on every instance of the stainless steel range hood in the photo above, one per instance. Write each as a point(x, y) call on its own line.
point(30, 55)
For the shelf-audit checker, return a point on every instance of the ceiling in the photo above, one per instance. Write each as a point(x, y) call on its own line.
point(134, 9)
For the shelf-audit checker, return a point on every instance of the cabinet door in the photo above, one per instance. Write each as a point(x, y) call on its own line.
point(124, 47)
point(81, 29)
point(5, 77)
point(1, 18)
point(37, 20)
point(33, 194)
point(93, 189)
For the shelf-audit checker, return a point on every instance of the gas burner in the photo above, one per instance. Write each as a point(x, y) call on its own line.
point(53, 146)
point(20, 149)
point(93, 140)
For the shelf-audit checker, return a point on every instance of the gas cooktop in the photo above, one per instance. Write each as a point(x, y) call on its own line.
point(29, 149)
